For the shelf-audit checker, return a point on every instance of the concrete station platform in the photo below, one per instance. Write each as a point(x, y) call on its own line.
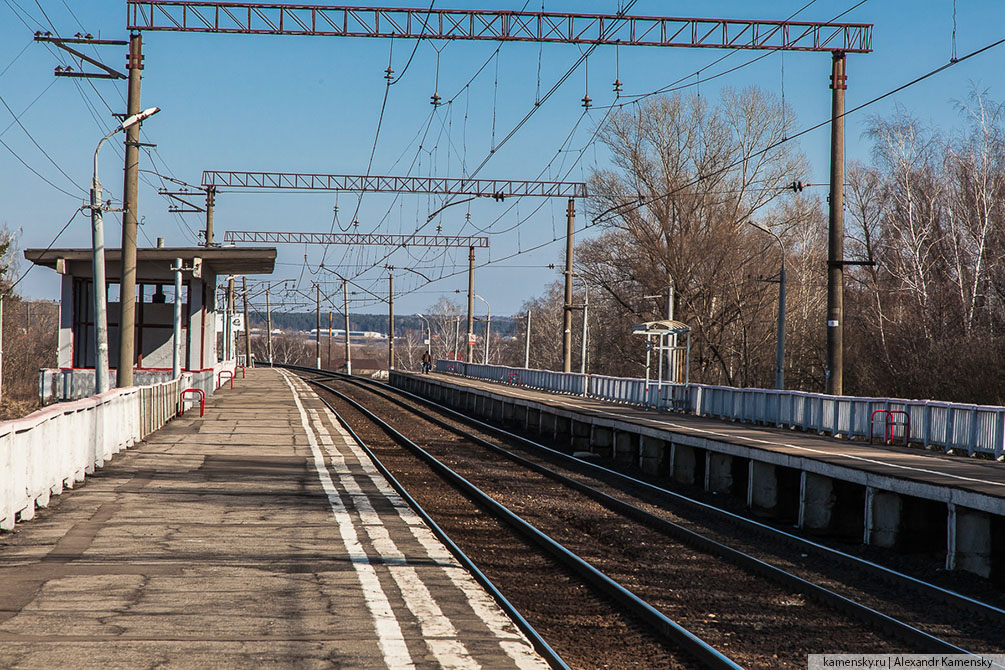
point(910, 499)
point(257, 536)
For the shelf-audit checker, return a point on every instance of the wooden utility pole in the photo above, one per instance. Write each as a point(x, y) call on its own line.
point(835, 234)
point(390, 321)
point(127, 283)
point(247, 323)
point(345, 309)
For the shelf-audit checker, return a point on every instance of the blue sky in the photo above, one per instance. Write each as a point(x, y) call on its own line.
point(310, 104)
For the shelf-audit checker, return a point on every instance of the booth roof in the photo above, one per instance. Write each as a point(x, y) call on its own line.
point(661, 328)
point(220, 260)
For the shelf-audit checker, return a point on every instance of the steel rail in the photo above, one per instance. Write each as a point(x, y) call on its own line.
point(890, 575)
point(668, 628)
point(820, 594)
point(539, 643)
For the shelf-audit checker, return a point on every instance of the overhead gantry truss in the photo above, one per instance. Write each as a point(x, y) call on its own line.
point(233, 236)
point(491, 25)
point(496, 188)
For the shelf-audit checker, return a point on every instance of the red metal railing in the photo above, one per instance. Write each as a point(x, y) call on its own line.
point(202, 401)
point(219, 378)
point(890, 423)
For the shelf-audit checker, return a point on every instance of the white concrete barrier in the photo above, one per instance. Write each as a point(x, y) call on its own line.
point(57, 446)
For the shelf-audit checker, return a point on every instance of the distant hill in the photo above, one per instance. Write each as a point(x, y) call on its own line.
point(503, 326)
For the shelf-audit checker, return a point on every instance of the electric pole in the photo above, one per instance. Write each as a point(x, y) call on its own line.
point(228, 345)
point(247, 323)
point(471, 302)
point(835, 234)
point(317, 331)
point(268, 323)
point(330, 317)
point(526, 353)
point(210, 203)
point(127, 285)
point(390, 321)
point(567, 314)
point(176, 341)
point(345, 308)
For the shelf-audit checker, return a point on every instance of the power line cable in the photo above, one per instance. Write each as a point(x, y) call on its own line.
point(42, 255)
point(634, 204)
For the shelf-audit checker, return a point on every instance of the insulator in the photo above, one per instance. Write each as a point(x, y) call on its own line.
point(617, 86)
point(389, 73)
point(587, 101)
point(434, 99)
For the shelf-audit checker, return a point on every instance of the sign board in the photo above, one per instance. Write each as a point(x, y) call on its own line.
point(472, 340)
point(426, 341)
point(236, 323)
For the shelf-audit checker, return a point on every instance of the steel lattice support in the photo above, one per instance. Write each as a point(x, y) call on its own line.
point(233, 236)
point(497, 188)
point(504, 26)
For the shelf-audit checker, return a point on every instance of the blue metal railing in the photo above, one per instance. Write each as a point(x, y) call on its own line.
point(970, 428)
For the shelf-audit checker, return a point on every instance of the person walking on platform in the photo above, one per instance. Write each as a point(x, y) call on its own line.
point(427, 362)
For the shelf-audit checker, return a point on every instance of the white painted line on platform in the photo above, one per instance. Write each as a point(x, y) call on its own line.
point(438, 632)
point(512, 641)
point(391, 640)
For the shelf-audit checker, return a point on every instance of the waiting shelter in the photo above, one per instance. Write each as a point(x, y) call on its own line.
point(154, 311)
point(663, 337)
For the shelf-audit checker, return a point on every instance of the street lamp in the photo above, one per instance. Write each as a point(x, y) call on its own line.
point(488, 328)
point(780, 343)
point(98, 260)
point(429, 340)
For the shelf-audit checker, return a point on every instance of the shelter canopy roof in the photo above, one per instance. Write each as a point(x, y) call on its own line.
point(218, 260)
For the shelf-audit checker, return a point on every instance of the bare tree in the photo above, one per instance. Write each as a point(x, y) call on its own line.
point(687, 178)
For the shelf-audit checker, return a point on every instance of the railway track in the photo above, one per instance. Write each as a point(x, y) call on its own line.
point(709, 590)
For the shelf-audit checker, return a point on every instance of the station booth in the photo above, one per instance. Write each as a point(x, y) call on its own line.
point(668, 341)
point(154, 311)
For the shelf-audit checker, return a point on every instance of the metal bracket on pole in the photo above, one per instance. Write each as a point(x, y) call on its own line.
point(61, 42)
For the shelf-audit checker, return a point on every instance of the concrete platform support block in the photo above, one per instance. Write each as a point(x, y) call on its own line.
point(563, 428)
point(521, 416)
point(547, 424)
point(534, 419)
point(682, 463)
point(580, 436)
point(816, 501)
point(762, 488)
point(718, 472)
point(601, 440)
point(969, 535)
point(625, 446)
point(651, 454)
point(882, 520)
